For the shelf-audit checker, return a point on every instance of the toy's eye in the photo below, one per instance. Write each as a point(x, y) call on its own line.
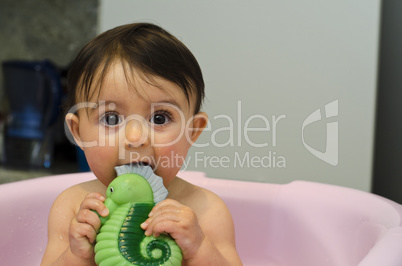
point(111, 189)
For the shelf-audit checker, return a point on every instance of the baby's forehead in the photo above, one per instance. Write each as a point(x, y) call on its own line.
point(145, 87)
point(102, 80)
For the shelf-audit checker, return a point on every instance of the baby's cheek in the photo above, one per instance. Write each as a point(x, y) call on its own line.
point(101, 160)
point(169, 160)
point(176, 152)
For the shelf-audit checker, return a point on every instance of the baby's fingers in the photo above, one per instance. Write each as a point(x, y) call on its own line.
point(161, 222)
point(94, 201)
point(158, 227)
point(89, 217)
point(82, 230)
point(166, 205)
point(95, 195)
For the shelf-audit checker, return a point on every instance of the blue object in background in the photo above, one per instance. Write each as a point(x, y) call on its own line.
point(34, 92)
point(82, 161)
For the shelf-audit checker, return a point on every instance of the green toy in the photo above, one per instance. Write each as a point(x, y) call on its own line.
point(121, 240)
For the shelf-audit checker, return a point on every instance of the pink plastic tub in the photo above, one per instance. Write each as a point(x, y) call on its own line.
point(297, 224)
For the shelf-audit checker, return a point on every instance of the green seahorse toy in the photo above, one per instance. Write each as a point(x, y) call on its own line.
point(121, 240)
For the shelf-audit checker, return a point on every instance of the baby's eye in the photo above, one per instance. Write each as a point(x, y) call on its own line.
point(111, 119)
point(160, 118)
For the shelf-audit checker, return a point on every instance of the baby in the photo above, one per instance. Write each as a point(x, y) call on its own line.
point(135, 98)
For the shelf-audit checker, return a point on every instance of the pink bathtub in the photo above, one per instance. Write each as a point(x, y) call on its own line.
point(297, 224)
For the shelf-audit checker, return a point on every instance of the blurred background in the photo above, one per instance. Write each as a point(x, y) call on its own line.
point(282, 61)
point(39, 39)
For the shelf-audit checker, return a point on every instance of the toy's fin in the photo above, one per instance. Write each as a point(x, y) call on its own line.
point(156, 182)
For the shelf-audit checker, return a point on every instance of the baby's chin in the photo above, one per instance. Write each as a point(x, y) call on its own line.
point(105, 178)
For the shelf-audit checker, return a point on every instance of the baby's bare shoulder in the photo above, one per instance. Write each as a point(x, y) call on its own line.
point(73, 196)
point(199, 199)
point(212, 213)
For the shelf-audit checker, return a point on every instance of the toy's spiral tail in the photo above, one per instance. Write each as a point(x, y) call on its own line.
point(162, 250)
point(146, 250)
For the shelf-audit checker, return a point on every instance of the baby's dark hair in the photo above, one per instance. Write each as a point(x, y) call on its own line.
point(145, 47)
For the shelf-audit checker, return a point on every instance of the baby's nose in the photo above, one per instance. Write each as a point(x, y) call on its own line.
point(136, 133)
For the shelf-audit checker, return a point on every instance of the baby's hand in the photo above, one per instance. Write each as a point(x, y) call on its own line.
point(177, 220)
point(85, 225)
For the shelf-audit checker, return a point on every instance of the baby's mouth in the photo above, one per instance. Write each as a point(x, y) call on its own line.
point(141, 163)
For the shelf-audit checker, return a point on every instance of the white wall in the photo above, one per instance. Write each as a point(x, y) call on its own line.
point(283, 59)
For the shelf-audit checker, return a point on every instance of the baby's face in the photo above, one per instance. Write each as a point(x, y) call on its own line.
point(136, 122)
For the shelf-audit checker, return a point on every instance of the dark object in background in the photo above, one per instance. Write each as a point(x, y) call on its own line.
point(387, 166)
point(34, 92)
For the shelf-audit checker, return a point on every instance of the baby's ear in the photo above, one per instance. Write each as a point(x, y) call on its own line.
point(72, 121)
point(200, 121)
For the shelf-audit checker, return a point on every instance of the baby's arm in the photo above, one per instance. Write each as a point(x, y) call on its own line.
point(71, 233)
point(205, 234)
